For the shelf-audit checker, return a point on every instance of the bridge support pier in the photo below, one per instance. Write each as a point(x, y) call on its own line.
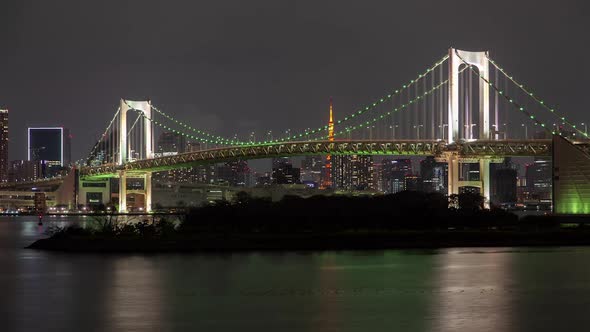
point(453, 173)
point(484, 177)
point(454, 162)
point(148, 191)
point(122, 192)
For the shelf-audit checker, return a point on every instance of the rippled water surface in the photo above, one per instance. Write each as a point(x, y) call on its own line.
point(463, 289)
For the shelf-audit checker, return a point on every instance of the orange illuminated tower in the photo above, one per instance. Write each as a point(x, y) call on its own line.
point(327, 183)
point(331, 125)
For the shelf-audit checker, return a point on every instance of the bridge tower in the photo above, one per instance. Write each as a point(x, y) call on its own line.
point(125, 156)
point(458, 58)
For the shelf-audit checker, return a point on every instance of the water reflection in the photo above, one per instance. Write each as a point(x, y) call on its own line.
point(134, 295)
point(445, 290)
point(473, 290)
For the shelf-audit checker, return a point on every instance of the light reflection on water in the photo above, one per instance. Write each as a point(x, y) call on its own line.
point(483, 289)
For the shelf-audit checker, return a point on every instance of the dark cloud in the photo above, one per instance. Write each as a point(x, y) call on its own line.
point(235, 65)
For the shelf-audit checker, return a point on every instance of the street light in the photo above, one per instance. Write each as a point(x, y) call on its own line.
point(443, 130)
point(526, 130)
point(371, 132)
point(418, 131)
point(505, 130)
point(392, 127)
point(585, 128)
point(495, 132)
point(470, 131)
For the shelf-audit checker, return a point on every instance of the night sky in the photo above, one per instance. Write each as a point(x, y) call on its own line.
point(234, 66)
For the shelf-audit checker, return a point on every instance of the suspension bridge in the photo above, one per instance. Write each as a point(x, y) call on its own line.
point(464, 108)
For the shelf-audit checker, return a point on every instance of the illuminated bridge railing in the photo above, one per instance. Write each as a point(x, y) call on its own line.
point(498, 148)
point(503, 148)
point(401, 148)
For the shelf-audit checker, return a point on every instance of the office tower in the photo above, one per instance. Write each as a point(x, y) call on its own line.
point(394, 172)
point(354, 172)
point(51, 144)
point(434, 175)
point(170, 143)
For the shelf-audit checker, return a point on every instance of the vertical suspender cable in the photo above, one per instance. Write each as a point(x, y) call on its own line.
point(471, 105)
point(415, 115)
point(441, 105)
point(408, 116)
point(432, 111)
point(507, 93)
point(424, 105)
point(461, 111)
point(496, 116)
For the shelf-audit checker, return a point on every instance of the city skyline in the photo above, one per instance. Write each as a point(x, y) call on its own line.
point(294, 165)
point(193, 77)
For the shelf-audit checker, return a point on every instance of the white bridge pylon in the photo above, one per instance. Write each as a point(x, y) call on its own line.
point(138, 106)
point(457, 58)
point(147, 144)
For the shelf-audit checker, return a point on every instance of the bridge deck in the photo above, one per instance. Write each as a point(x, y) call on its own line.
point(478, 148)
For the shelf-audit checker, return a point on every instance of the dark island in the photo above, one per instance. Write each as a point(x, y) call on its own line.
point(403, 220)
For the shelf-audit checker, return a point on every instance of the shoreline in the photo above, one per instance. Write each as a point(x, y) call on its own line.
point(210, 243)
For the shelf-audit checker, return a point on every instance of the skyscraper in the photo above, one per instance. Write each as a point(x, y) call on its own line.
point(353, 172)
point(283, 171)
point(539, 179)
point(3, 145)
point(503, 188)
point(52, 144)
point(434, 175)
point(393, 174)
point(311, 169)
point(234, 173)
point(170, 143)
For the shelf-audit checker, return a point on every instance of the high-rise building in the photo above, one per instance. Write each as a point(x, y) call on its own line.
point(311, 169)
point(504, 182)
point(434, 175)
point(354, 172)
point(170, 143)
point(413, 182)
point(234, 173)
point(193, 147)
point(539, 179)
point(503, 188)
point(3, 145)
point(51, 144)
point(378, 177)
point(394, 172)
point(280, 162)
point(283, 171)
point(27, 170)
